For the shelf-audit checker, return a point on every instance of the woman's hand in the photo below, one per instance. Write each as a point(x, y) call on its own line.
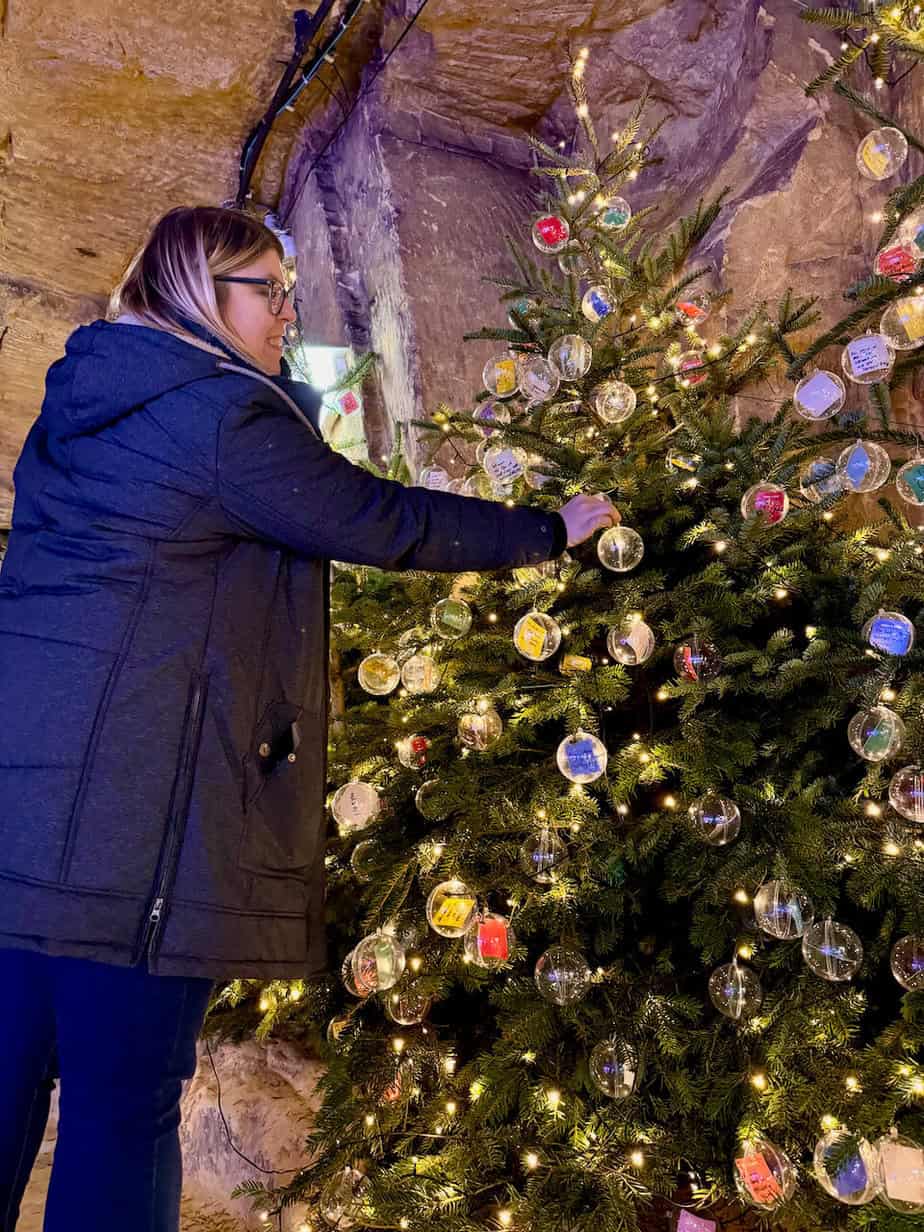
point(585, 514)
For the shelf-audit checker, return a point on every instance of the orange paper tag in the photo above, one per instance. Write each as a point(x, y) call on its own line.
point(759, 1181)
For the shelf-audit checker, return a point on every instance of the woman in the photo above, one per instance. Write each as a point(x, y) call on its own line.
point(163, 685)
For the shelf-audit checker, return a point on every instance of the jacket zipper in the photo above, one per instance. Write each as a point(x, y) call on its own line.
point(178, 815)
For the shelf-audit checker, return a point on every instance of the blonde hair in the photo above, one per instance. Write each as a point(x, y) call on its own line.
point(172, 274)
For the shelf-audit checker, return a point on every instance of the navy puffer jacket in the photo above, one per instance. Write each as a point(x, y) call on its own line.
point(163, 652)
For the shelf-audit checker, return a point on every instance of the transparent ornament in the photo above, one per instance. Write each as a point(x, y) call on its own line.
point(500, 376)
point(366, 861)
point(767, 501)
point(846, 1167)
point(693, 309)
point(902, 323)
point(490, 416)
point(764, 1175)
point(451, 619)
point(906, 793)
point(490, 941)
point(407, 1005)
point(864, 467)
point(342, 1198)
point(820, 395)
point(504, 463)
point(481, 449)
point(537, 636)
point(890, 632)
point(614, 401)
point(820, 478)
point(597, 303)
point(907, 961)
point(901, 1173)
point(572, 261)
point(620, 548)
point(479, 485)
point(832, 950)
point(876, 734)
point(716, 820)
point(868, 359)
point(676, 460)
point(614, 1068)
point(431, 800)
point(378, 962)
point(898, 261)
point(909, 481)
point(526, 307)
point(336, 1028)
point(420, 674)
point(697, 659)
point(562, 975)
point(881, 153)
point(412, 751)
point(379, 674)
point(632, 642)
point(355, 805)
point(429, 853)
point(551, 233)
point(691, 369)
point(455, 486)
point(541, 854)
point(735, 991)
point(581, 757)
point(782, 910)
point(435, 478)
point(614, 214)
point(911, 230)
point(465, 586)
point(349, 979)
point(451, 909)
point(481, 730)
point(538, 380)
point(571, 356)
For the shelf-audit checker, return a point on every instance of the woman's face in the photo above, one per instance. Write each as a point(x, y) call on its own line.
point(245, 308)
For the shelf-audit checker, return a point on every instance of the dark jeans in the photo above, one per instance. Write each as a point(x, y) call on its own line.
point(121, 1041)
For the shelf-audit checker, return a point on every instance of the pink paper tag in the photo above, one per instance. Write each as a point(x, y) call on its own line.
point(693, 1223)
point(770, 504)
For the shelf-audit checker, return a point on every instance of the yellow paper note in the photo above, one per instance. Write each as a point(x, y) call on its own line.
point(876, 160)
point(911, 315)
point(453, 912)
point(531, 638)
point(505, 373)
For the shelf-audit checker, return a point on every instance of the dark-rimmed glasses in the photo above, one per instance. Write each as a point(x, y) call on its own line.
point(276, 292)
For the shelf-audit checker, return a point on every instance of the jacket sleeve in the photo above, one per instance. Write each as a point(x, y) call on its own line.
point(277, 481)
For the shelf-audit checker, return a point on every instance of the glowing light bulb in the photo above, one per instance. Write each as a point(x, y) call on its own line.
point(719, 546)
point(759, 1081)
point(398, 1044)
point(531, 1160)
point(741, 896)
point(553, 1098)
point(873, 810)
point(852, 1082)
point(637, 1158)
point(370, 1119)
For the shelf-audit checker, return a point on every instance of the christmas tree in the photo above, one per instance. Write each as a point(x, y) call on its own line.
point(627, 879)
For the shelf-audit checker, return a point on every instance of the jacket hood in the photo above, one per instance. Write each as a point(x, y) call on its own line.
point(110, 369)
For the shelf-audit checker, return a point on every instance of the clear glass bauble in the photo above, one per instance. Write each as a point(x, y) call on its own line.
point(906, 793)
point(407, 1005)
point(614, 1068)
point(355, 805)
point(526, 307)
point(572, 261)
point(890, 632)
point(907, 962)
point(614, 401)
point(868, 359)
point(735, 991)
point(537, 636)
point(366, 861)
point(693, 309)
point(481, 449)
point(911, 229)
point(882, 153)
point(479, 484)
point(562, 975)
point(832, 950)
point(451, 619)
point(697, 659)
point(764, 1174)
point(820, 395)
point(538, 380)
point(631, 643)
point(902, 323)
point(436, 478)
point(500, 375)
point(379, 674)
point(480, 729)
point(490, 941)
point(336, 1028)
point(378, 962)
point(341, 1203)
point(820, 478)
point(898, 261)
point(349, 979)
point(581, 757)
point(876, 734)
point(864, 466)
point(542, 854)
point(420, 674)
point(504, 463)
point(571, 356)
point(691, 369)
point(551, 233)
point(489, 416)
point(677, 460)
point(782, 910)
point(614, 214)
point(412, 751)
point(597, 303)
point(846, 1166)
point(715, 819)
point(901, 1173)
point(431, 800)
point(909, 481)
point(451, 909)
point(620, 548)
point(767, 501)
